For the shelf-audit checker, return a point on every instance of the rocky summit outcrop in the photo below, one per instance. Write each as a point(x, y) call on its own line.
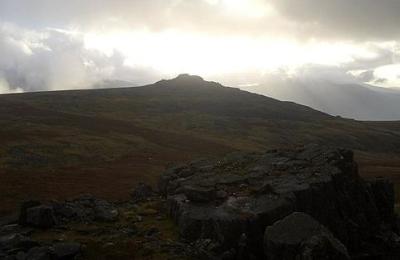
point(232, 201)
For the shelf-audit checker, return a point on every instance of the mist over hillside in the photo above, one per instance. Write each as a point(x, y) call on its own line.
point(349, 100)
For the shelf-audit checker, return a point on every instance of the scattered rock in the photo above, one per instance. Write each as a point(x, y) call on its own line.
point(299, 236)
point(86, 209)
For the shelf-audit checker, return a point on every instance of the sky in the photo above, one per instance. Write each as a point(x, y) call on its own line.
point(57, 44)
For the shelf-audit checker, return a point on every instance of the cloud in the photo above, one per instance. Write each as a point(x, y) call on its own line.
point(305, 19)
point(54, 60)
point(344, 19)
point(152, 14)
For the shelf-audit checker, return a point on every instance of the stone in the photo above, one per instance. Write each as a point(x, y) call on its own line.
point(103, 211)
point(23, 209)
point(39, 253)
point(9, 220)
point(205, 249)
point(40, 216)
point(221, 195)
point(65, 251)
point(16, 242)
point(142, 192)
point(299, 236)
point(20, 256)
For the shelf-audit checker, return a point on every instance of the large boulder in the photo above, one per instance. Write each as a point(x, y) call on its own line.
point(299, 236)
point(23, 209)
point(262, 188)
point(40, 216)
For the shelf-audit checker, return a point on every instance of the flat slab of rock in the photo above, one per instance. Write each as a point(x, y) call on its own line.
point(261, 188)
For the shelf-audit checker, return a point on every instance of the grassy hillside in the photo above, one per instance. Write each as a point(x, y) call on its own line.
point(60, 144)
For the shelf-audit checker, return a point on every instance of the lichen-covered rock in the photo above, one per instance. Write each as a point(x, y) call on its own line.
point(261, 188)
point(299, 236)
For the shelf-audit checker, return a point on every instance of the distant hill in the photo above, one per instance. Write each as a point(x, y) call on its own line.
point(103, 141)
point(362, 102)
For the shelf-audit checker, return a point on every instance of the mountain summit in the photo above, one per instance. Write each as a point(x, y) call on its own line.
point(187, 80)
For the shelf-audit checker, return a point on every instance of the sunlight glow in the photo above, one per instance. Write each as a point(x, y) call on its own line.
point(390, 74)
point(172, 52)
point(244, 8)
point(252, 8)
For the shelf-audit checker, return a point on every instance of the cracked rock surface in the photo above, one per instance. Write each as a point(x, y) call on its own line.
point(240, 195)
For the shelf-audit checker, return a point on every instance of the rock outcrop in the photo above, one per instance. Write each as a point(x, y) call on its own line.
point(232, 200)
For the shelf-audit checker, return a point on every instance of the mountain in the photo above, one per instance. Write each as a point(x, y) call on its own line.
point(362, 102)
point(60, 144)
